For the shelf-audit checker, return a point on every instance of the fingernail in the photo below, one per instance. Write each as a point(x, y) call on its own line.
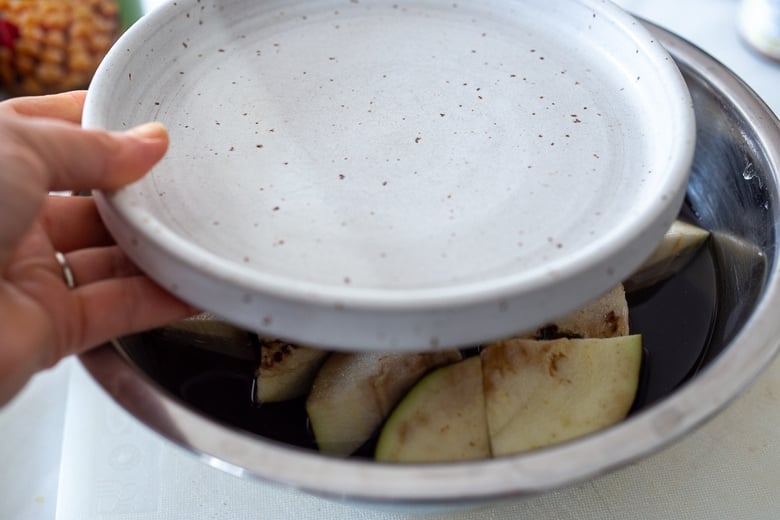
point(152, 130)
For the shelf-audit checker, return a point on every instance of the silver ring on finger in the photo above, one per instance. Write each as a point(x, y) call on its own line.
point(67, 272)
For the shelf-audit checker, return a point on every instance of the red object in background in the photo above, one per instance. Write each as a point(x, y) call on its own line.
point(8, 34)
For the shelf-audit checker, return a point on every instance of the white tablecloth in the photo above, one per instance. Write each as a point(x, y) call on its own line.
point(68, 452)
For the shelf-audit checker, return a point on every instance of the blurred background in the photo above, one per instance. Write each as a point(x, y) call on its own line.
point(49, 46)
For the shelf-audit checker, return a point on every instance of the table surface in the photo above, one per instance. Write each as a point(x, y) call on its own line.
point(70, 453)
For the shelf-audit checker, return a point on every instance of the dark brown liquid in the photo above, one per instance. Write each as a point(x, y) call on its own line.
point(675, 318)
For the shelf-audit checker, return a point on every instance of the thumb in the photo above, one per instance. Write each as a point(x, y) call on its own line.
point(64, 156)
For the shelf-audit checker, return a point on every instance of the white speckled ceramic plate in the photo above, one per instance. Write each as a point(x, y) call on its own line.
point(395, 174)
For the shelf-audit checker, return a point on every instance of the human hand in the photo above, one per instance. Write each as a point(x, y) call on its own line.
point(43, 148)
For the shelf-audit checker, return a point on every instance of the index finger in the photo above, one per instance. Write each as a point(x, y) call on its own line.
point(67, 106)
point(74, 223)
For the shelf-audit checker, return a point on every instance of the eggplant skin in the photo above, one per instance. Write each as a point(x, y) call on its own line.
point(354, 393)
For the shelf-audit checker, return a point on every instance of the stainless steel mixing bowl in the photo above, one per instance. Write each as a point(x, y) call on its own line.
point(733, 191)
